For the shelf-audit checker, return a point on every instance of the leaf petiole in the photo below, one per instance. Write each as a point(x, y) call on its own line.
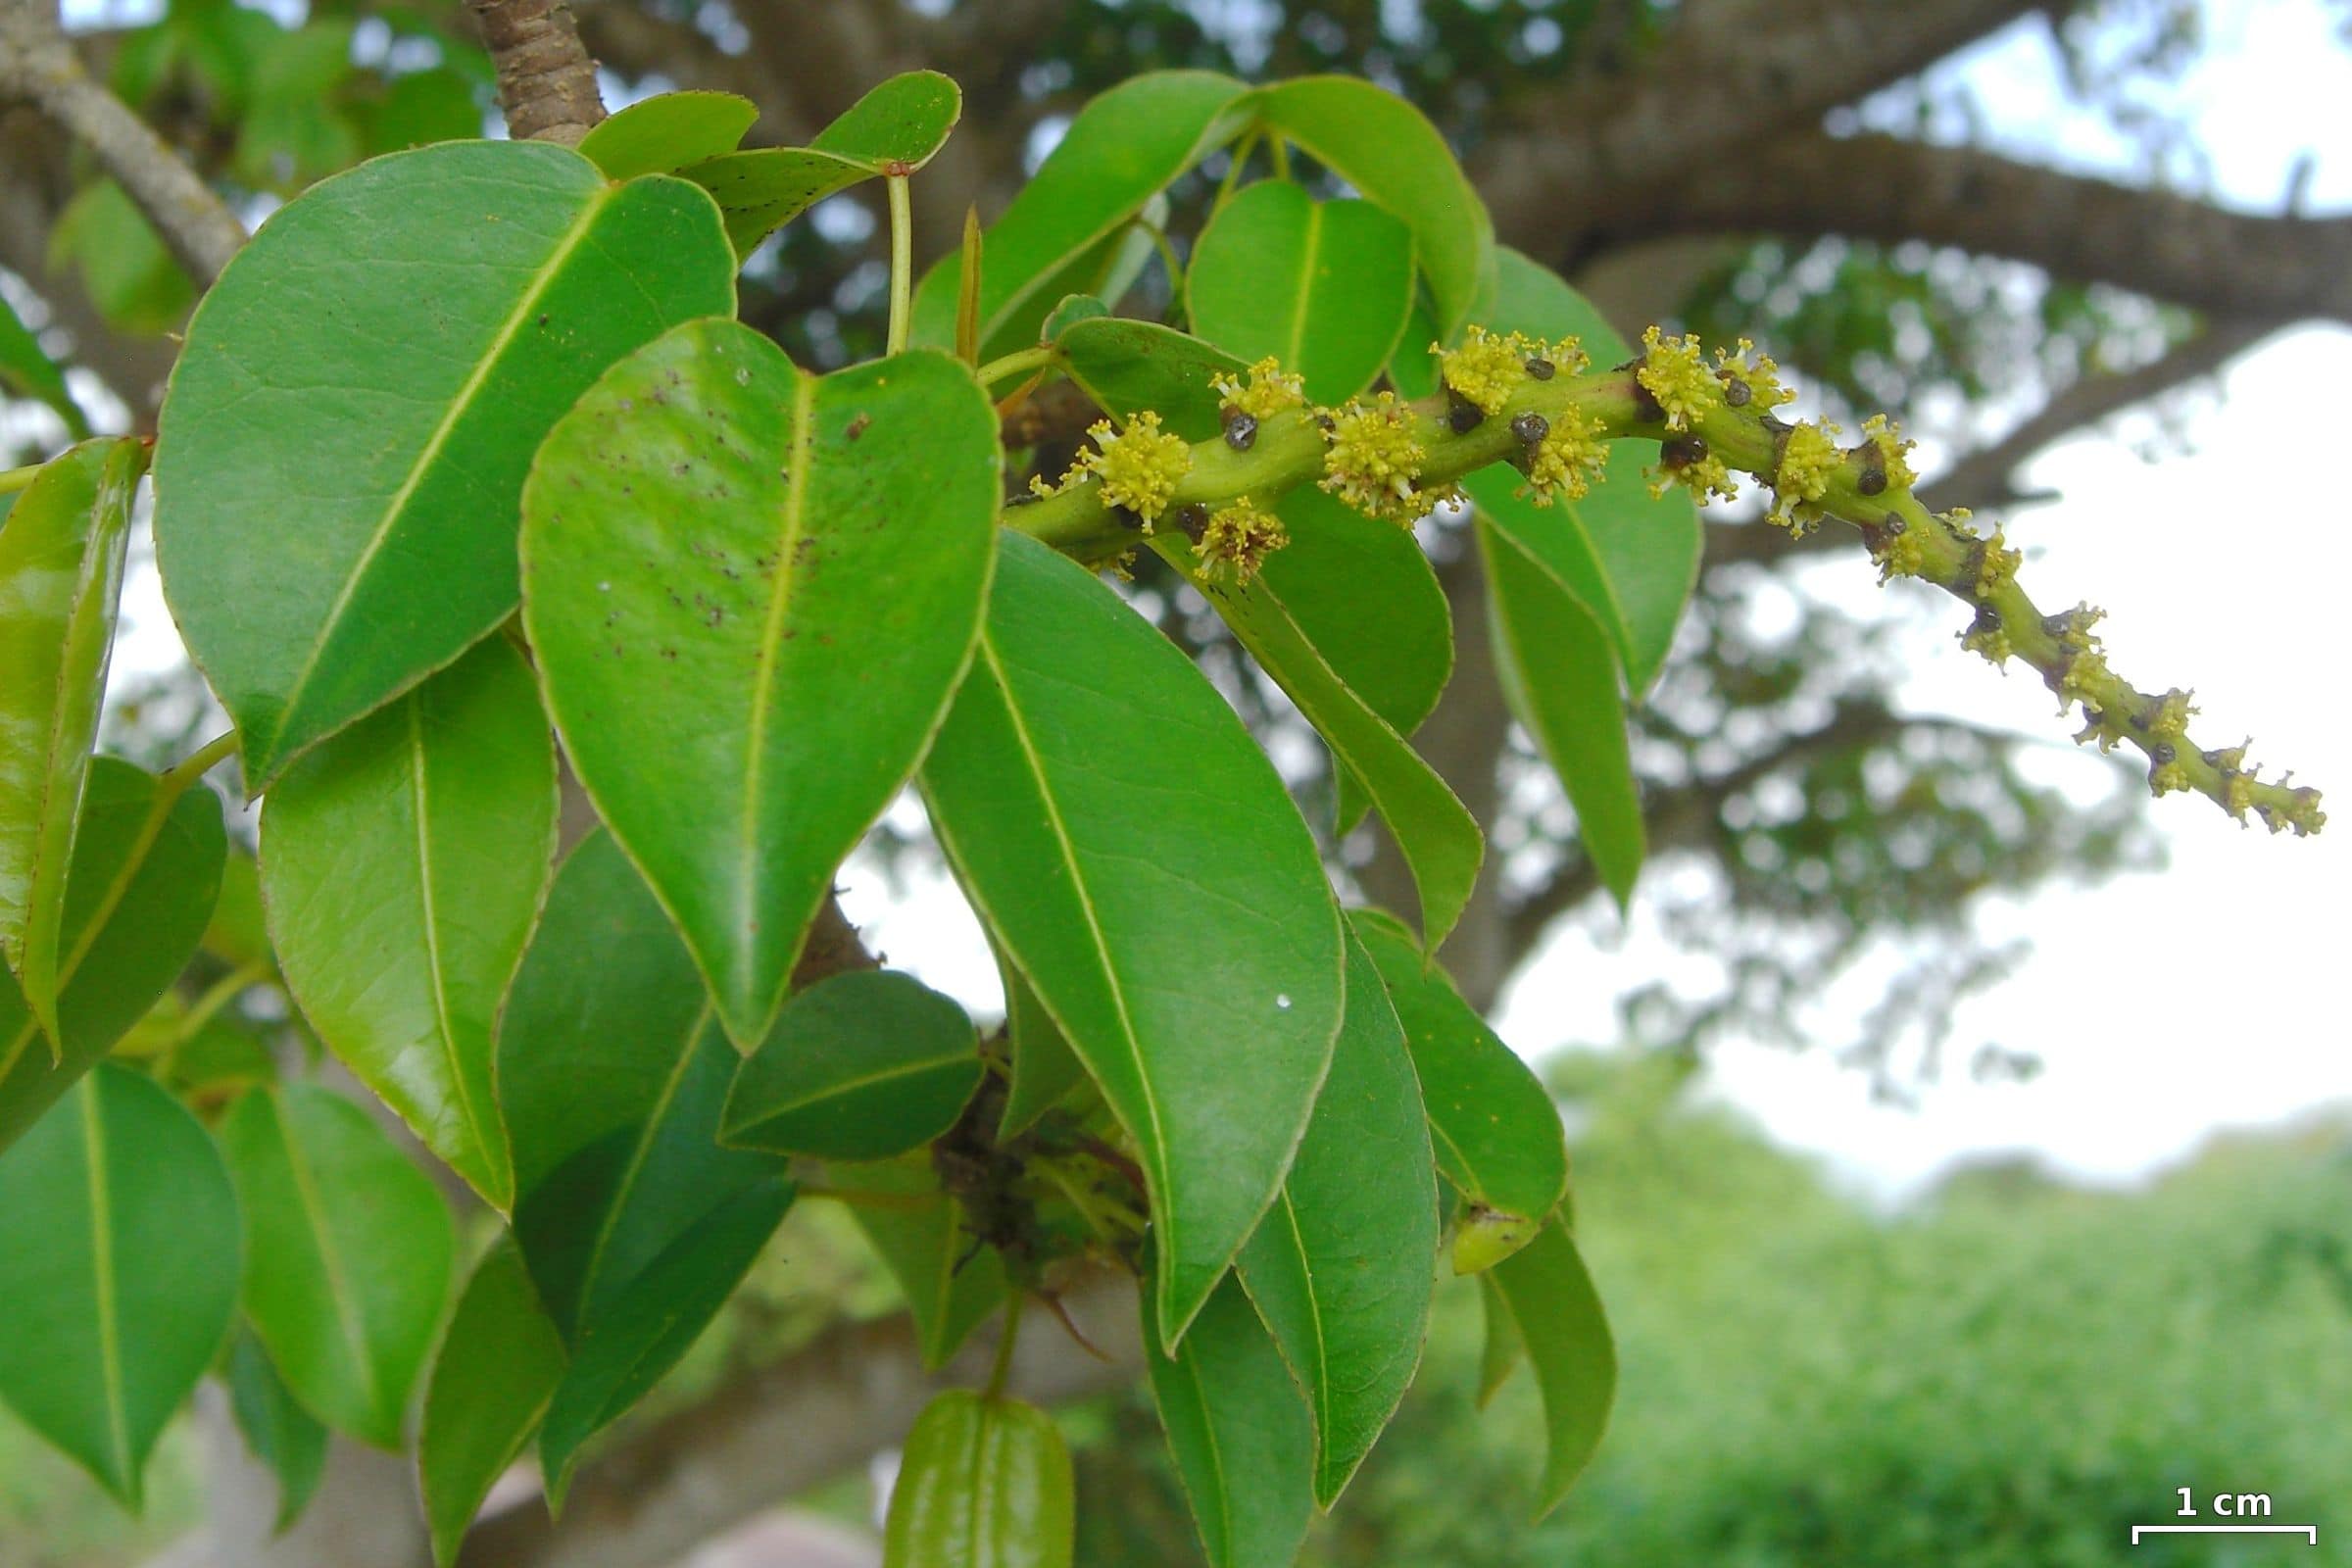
point(902, 262)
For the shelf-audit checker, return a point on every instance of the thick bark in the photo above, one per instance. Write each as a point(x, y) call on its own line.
point(546, 81)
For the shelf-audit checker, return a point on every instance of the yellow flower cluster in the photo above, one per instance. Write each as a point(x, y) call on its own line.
point(2170, 721)
point(1885, 434)
point(2088, 666)
point(1809, 459)
point(2166, 777)
point(1269, 390)
point(1902, 555)
point(1693, 464)
point(1490, 367)
point(1566, 462)
point(1673, 372)
point(1998, 568)
point(1238, 539)
point(1990, 638)
point(1759, 375)
point(1374, 459)
point(1139, 467)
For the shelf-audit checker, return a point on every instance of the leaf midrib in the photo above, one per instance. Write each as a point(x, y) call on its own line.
point(330, 1261)
point(421, 799)
point(1295, 346)
point(850, 1086)
point(638, 1155)
point(103, 1284)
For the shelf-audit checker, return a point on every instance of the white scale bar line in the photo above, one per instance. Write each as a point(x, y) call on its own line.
point(2311, 1531)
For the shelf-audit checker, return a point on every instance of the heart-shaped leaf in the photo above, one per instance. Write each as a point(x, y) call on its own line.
point(950, 1284)
point(1135, 852)
point(1495, 1132)
point(742, 697)
point(1241, 1436)
point(443, 808)
point(895, 129)
point(1343, 1267)
point(349, 1251)
point(1389, 151)
point(1322, 286)
point(311, 373)
point(121, 1235)
point(1558, 1317)
point(864, 1065)
point(61, 574)
point(668, 133)
point(281, 1433)
point(146, 870)
point(612, 1069)
point(1559, 677)
point(491, 1379)
point(982, 1483)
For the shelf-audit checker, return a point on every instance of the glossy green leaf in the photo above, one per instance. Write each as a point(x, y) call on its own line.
point(1125, 364)
point(1503, 1350)
point(1389, 151)
point(1322, 286)
point(61, 575)
point(1073, 309)
point(1044, 1069)
point(145, 874)
point(1495, 1132)
point(238, 933)
point(982, 1483)
point(897, 126)
point(668, 133)
point(1558, 1316)
point(443, 808)
point(951, 1283)
point(281, 1433)
point(313, 372)
point(1136, 855)
point(1343, 1267)
point(1559, 676)
point(1632, 560)
point(1240, 1434)
point(612, 1070)
point(128, 275)
point(1437, 835)
point(27, 370)
point(496, 1369)
point(864, 1065)
point(119, 1232)
point(791, 653)
point(1123, 149)
point(349, 1251)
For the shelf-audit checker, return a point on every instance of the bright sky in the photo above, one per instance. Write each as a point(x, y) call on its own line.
point(2163, 1007)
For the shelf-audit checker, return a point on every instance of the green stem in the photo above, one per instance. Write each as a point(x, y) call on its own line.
point(1280, 147)
point(211, 755)
point(902, 262)
point(217, 996)
point(1001, 1367)
point(12, 480)
point(1018, 362)
point(1232, 181)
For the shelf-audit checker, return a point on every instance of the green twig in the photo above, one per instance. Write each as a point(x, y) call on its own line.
point(1001, 1367)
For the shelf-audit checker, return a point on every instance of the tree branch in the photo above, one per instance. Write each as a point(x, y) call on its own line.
point(546, 81)
point(38, 66)
point(2175, 247)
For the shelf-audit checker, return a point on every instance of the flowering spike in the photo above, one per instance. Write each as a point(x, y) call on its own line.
point(1138, 466)
point(1809, 459)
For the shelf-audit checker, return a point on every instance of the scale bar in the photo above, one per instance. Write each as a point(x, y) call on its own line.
point(2311, 1531)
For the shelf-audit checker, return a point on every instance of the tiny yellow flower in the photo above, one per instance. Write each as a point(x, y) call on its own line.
point(1566, 462)
point(2173, 710)
point(1269, 392)
point(1674, 373)
point(2087, 670)
point(1991, 639)
point(1692, 463)
point(2168, 777)
point(2239, 795)
point(1887, 437)
point(1139, 467)
point(1999, 567)
point(1238, 539)
point(1809, 459)
point(1902, 555)
point(1374, 459)
point(1759, 376)
point(1487, 369)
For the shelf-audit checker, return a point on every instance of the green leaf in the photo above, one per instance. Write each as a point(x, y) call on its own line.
point(1389, 151)
point(311, 371)
point(982, 1483)
point(1629, 558)
point(1559, 676)
point(121, 1235)
point(612, 1069)
point(1044, 1069)
point(281, 1433)
point(1241, 1437)
point(1073, 309)
point(1138, 857)
point(238, 933)
point(1558, 1316)
point(864, 1065)
point(898, 127)
point(1322, 286)
point(125, 267)
point(496, 1371)
point(27, 370)
point(1503, 1350)
point(1123, 149)
point(1495, 1132)
point(61, 575)
point(1437, 835)
point(668, 133)
point(951, 1283)
point(791, 653)
point(1343, 1267)
point(443, 808)
point(1126, 365)
point(146, 870)
point(348, 1257)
